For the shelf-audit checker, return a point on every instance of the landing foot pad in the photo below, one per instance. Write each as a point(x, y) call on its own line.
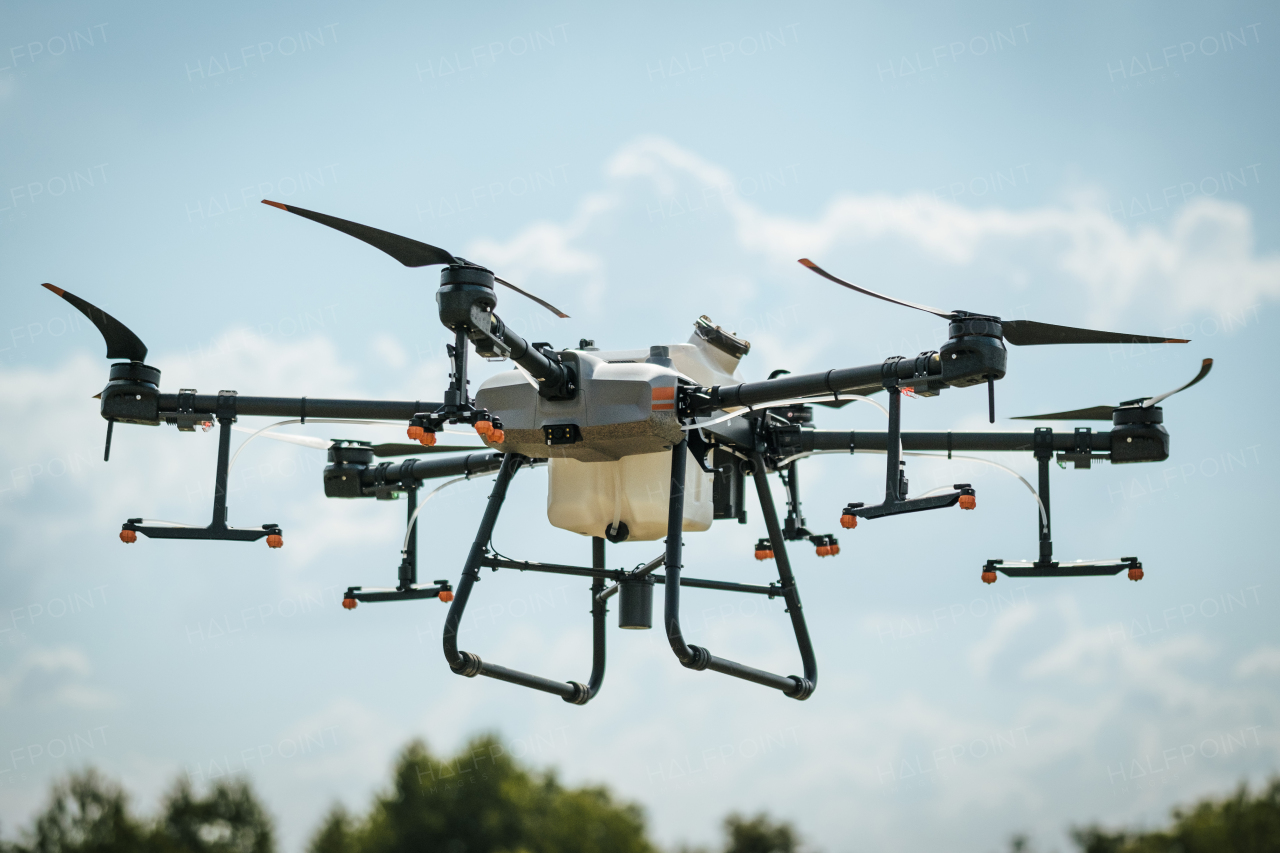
point(231, 534)
point(1082, 568)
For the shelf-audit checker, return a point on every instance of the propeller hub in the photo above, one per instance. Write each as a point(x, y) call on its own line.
point(1126, 415)
point(456, 274)
point(351, 453)
point(461, 288)
point(135, 371)
point(974, 351)
point(975, 325)
point(133, 394)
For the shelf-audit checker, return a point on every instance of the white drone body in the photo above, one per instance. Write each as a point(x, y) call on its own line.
point(605, 448)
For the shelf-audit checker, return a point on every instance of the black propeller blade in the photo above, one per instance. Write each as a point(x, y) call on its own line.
point(121, 343)
point(1093, 413)
point(1103, 413)
point(946, 315)
point(411, 253)
point(1016, 332)
point(1030, 333)
point(553, 309)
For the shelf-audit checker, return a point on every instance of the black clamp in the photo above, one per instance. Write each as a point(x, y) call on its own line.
point(186, 417)
point(1081, 455)
point(226, 406)
point(920, 375)
point(1042, 443)
point(381, 488)
point(889, 371)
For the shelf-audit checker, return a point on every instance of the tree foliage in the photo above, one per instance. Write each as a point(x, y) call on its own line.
point(759, 834)
point(481, 800)
point(1240, 823)
point(88, 813)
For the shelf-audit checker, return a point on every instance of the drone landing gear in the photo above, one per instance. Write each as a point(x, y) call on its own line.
point(469, 664)
point(217, 528)
point(1046, 567)
point(895, 490)
point(696, 657)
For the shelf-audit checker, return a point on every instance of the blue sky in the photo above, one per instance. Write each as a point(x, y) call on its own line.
point(1093, 166)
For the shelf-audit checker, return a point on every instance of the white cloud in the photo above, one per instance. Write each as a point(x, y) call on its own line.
point(1264, 660)
point(1205, 260)
point(52, 676)
point(1003, 630)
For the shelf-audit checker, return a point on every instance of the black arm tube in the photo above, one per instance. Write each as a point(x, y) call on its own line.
point(410, 472)
point(845, 380)
point(696, 657)
point(219, 521)
point(724, 586)
point(470, 465)
point(829, 439)
point(469, 664)
point(550, 374)
point(893, 447)
point(1045, 525)
point(306, 407)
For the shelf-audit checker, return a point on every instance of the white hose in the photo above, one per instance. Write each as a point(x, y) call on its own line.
point(236, 455)
point(832, 398)
point(528, 377)
point(413, 519)
point(617, 500)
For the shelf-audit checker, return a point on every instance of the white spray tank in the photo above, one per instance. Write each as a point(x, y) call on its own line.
point(629, 498)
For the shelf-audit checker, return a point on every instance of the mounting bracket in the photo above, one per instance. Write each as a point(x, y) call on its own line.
point(1046, 567)
point(895, 491)
point(217, 528)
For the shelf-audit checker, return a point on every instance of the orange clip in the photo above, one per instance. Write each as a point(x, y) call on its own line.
point(498, 436)
point(484, 427)
point(848, 522)
point(446, 595)
point(415, 432)
point(349, 603)
point(128, 536)
point(968, 501)
point(988, 577)
point(1135, 574)
point(275, 540)
point(764, 555)
point(428, 439)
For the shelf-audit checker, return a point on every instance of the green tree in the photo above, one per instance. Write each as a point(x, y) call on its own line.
point(759, 834)
point(335, 833)
point(87, 813)
point(1240, 823)
point(481, 800)
point(229, 819)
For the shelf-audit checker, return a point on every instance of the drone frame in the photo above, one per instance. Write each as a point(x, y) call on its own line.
point(770, 437)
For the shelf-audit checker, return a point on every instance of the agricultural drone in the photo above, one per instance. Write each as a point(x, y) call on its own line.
point(640, 445)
